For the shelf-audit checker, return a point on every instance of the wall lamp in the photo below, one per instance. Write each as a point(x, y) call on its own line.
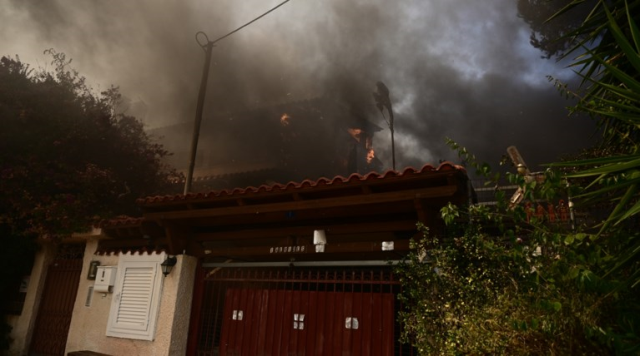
point(319, 240)
point(168, 264)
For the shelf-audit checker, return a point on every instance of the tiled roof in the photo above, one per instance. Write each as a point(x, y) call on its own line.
point(229, 175)
point(121, 221)
point(104, 251)
point(293, 186)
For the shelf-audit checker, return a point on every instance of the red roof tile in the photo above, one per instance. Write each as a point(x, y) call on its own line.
point(103, 251)
point(291, 186)
point(121, 221)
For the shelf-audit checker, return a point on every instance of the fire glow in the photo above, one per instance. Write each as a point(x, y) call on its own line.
point(355, 133)
point(370, 155)
point(284, 119)
point(368, 144)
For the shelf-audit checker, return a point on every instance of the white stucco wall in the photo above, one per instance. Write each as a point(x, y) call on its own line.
point(182, 301)
point(89, 324)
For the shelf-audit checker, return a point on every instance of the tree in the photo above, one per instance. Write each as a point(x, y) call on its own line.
point(550, 37)
point(578, 294)
point(67, 159)
point(610, 93)
point(504, 280)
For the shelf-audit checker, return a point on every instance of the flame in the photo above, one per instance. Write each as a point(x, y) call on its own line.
point(355, 133)
point(284, 119)
point(368, 144)
point(370, 155)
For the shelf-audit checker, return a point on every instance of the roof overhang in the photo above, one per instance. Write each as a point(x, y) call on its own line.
point(359, 214)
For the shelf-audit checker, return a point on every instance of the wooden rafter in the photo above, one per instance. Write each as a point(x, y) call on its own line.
point(358, 214)
point(246, 234)
point(426, 193)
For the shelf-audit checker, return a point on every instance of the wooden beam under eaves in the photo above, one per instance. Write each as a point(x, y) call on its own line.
point(299, 250)
point(369, 227)
point(177, 238)
point(319, 203)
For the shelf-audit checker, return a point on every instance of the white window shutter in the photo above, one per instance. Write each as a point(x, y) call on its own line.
point(136, 297)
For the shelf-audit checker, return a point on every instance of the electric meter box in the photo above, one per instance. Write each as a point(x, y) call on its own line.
point(105, 279)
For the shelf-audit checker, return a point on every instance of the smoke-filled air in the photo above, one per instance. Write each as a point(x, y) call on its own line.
point(459, 69)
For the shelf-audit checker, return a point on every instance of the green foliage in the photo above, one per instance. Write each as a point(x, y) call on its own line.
point(550, 36)
point(505, 282)
point(65, 159)
point(517, 284)
point(611, 93)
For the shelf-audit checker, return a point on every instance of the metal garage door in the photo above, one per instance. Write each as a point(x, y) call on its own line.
point(296, 312)
point(286, 322)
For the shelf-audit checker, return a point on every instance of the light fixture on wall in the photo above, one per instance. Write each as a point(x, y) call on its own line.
point(168, 264)
point(93, 270)
point(319, 240)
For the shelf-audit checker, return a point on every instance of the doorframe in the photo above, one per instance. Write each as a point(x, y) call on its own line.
point(61, 254)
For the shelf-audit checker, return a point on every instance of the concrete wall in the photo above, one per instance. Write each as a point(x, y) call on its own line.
point(89, 324)
point(181, 300)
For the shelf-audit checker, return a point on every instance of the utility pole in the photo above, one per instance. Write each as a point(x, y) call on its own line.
point(207, 47)
point(393, 144)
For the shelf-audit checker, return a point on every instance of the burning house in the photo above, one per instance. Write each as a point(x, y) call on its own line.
point(297, 268)
point(283, 247)
point(294, 141)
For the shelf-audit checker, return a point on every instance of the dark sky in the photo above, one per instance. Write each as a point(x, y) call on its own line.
point(460, 69)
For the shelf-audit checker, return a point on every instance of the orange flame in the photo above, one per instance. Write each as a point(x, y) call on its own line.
point(284, 119)
point(370, 155)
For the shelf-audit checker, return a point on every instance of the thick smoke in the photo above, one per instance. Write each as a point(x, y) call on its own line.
point(458, 69)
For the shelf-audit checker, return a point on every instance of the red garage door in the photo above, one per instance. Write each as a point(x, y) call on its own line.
point(286, 322)
point(295, 311)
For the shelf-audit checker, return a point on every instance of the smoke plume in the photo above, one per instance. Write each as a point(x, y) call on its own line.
point(459, 69)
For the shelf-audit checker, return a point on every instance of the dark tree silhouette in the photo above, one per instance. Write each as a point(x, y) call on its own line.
point(66, 159)
point(550, 37)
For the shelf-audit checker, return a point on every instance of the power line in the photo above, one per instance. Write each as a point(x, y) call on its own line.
point(250, 22)
point(208, 47)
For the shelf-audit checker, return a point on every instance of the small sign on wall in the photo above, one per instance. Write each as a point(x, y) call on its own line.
point(106, 277)
point(93, 270)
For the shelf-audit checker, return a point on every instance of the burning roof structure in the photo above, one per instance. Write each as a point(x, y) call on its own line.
point(308, 139)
